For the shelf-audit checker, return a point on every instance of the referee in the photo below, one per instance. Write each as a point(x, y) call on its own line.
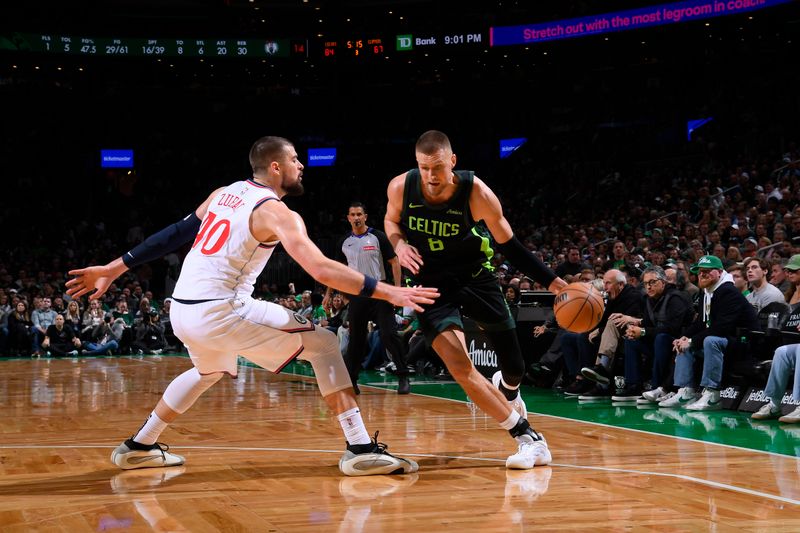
point(366, 249)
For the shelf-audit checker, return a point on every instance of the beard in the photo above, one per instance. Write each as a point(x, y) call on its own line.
point(294, 189)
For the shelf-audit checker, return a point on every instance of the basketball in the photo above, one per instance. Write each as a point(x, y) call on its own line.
point(578, 307)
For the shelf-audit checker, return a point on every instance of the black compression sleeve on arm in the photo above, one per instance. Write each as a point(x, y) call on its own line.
point(161, 243)
point(520, 257)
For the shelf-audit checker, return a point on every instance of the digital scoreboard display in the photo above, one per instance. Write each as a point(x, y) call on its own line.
point(110, 47)
point(364, 46)
point(360, 47)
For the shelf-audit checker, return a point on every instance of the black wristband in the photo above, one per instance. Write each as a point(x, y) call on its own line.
point(369, 286)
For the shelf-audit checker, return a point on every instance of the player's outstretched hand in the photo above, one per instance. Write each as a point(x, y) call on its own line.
point(89, 279)
point(97, 278)
point(412, 297)
point(409, 257)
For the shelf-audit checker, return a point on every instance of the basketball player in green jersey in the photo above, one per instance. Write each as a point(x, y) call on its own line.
point(432, 221)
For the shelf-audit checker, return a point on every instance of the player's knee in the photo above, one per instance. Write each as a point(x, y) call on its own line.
point(460, 369)
point(209, 379)
point(320, 340)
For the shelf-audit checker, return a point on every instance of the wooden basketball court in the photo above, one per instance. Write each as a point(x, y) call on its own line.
point(261, 454)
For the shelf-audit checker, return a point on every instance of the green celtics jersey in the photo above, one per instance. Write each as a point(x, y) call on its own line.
point(445, 234)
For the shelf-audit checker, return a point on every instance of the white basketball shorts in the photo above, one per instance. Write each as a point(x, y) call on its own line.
point(215, 332)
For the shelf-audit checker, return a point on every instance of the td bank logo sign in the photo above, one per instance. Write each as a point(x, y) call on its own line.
point(405, 42)
point(408, 42)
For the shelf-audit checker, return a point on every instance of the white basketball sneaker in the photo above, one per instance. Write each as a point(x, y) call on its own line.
point(767, 411)
point(656, 395)
point(130, 454)
point(682, 398)
point(373, 459)
point(517, 404)
point(709, 401)
point(530, 453)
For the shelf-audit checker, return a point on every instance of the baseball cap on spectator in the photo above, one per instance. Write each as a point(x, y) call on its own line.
point(170, 300)
point(12, 291)
point(751, 239)
point(794, 263)
point(707, 261)
point(759, 188)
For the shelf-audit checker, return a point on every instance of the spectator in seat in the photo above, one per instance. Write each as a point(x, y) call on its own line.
point(739, 278)
point(762, 293)
point(5, 310)
point(306, 308)
point(512, 296)
point(691, 289)
point(723, 310)
point(72, 316)
point(92, 317)
point(337, 313)
point(60, 340)
point(144, 310)
point(578, 348)
point(20, 328)
point(101, 338)
point(43, 317)
point(149, 335)
point(121, 312)
point(666, 312)
point(785, 363)
point(573, 264)
point(318, 313)
point(792, 269)
point(619, 259)
point(778, 277)
point(173, 342)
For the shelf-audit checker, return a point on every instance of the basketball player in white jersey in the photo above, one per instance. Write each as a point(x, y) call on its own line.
point(214, 315)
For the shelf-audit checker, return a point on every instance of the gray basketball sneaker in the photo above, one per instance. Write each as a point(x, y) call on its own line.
point(130, 454)
point(373, 459)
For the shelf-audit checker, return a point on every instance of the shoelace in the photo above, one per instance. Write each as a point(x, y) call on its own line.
point(164, 448)
point(380, 447)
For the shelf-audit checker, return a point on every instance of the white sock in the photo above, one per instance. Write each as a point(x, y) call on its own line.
point(150, 430)
point(511, 421)
point(353, 427)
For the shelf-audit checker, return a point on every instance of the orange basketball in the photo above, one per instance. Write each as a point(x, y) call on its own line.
point(578, 307)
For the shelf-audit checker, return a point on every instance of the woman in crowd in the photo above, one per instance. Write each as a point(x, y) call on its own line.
point(72, 316)
point(19, 330)
point(92, 317)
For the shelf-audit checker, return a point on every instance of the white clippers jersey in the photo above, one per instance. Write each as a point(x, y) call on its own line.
point(226, 259)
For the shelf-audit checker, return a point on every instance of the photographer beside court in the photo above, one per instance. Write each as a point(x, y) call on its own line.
point(149, 334)
point(101, 339)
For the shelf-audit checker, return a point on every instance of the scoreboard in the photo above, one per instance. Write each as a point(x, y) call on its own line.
point(355, 46)
point(93, 46)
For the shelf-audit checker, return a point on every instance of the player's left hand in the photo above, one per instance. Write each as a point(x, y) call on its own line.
point(411, 297)
point(409, 257)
